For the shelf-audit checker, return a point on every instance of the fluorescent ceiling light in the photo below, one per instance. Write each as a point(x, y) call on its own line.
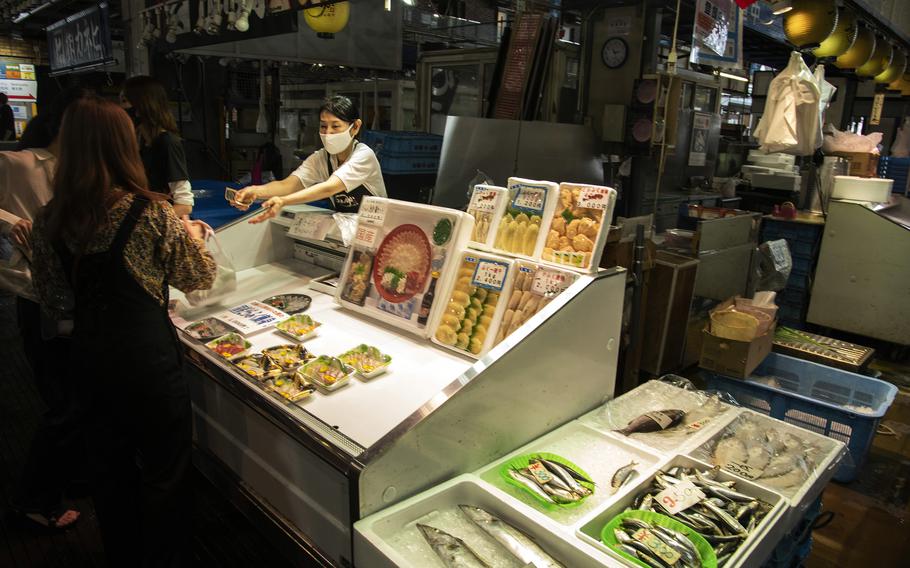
point(734, 77)
point(781, 6)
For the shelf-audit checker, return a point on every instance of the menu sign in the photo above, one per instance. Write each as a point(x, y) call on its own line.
point(81, 40)
point(251, 317)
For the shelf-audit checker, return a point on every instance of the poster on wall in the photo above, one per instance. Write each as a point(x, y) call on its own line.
point(698, 150)
point(717, 34)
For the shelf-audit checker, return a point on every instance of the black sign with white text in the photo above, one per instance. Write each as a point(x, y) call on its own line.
point(81, 40)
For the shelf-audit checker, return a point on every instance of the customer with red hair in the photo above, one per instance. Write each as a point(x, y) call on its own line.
point(105, 250)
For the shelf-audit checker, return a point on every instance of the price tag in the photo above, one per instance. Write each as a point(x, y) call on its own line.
point(251, 317)
point(530, 199)
point(660, 548)
point(595, 197)
point(366, 236)
point(679, 497)
point(372, 211)
point(483, 199)
point(743, 470)
point(490, 274)
point(549, 283)
point(698, 424)
point(310, 226)
point(540, 473)
point(662, 419)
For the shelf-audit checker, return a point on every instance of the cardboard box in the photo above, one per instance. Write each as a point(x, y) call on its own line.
point(734, 358)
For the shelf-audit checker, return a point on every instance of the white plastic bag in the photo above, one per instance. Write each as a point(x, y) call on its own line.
point(790, 121)
point(347, 226)
point(225, 279)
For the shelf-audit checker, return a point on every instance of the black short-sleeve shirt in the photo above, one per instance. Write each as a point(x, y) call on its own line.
point(164, 161)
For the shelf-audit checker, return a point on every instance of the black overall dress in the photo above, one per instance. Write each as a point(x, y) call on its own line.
point(346, 201)
point(139, 431)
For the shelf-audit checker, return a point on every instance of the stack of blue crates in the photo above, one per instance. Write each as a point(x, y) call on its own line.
point(795, 547)
point(897, 170)
point(402, 152)
point(804, 240)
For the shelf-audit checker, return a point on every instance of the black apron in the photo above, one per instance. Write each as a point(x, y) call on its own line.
point(139, 435)
point(346, 202)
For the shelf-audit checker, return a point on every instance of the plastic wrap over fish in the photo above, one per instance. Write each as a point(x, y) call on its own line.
point(773, 454)
point(664, 415)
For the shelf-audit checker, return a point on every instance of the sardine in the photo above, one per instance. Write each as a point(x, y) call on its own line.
point(725, 517)
point(564, 473)
point(453, 551)
point(647, 504)
point(687, 554)
point(575, 474)
point(646, 558)
point(520, 545)
point(623, 475)
point(646, 555)
point(653, 421)
point(556, 480)
point(555, 494)
point(727, 493)
point(530, 484)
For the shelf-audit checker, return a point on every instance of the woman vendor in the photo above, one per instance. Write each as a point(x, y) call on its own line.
point(344, 170)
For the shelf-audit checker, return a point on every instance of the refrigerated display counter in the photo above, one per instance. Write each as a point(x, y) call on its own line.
point(312, 468)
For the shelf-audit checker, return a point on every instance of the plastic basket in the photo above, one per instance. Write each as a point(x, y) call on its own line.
point(403, 143)
point(391, 164)
point(816, 397)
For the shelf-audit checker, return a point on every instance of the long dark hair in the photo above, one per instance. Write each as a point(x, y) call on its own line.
point(98, 164)
point(149, 97)
point(44, 128)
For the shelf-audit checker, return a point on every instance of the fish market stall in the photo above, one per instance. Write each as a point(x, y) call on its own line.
point(338, 379)
point(661, 476)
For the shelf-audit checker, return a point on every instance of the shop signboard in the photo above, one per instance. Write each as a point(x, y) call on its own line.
point(717, 34)
point(80, 41)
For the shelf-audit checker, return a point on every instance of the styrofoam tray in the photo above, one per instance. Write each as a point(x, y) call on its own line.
point(390, 537)
point(599, 198)
point(545, 212)
point(753, 551)
point(658, 395)
point(597, 454)
point(487, 202)
point(801, 497)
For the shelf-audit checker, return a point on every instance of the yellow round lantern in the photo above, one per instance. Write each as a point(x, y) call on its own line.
point(895, 70)
point(327, 20)
point(810, 22)
point(843, 37)
point(880, 60)
point(860, 52)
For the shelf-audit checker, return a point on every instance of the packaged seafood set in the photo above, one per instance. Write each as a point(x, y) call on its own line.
point(607, 492)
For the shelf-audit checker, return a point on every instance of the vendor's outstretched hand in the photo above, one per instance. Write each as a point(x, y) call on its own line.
point(271, 208)
point(244, 198)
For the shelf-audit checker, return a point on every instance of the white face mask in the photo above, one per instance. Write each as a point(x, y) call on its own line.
point(338, 142)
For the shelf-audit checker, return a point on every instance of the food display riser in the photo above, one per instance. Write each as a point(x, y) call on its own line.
point(754, 550)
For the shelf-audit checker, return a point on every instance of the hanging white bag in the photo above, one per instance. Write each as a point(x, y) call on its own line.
point(225, 279)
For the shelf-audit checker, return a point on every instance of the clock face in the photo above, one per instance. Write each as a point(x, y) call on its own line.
point(615, 52)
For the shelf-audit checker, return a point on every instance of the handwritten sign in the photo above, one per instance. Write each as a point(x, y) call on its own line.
point(657, 546)
point(530, 199)
point(372, 211)
point(742, 470)
point(81, 40)
point(596, 197)
point(313, 226)
point(679, 497)
point(484, 199)
point(540, 472)
point(550, 283)
point(251, 317)
point(366, 236)
point(490, 274)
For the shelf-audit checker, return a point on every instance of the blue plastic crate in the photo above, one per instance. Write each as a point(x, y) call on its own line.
point(797, 545)
point(816, 397)
point(803, 232)
point(401, 143)
point(407, 164)
point(793, 297)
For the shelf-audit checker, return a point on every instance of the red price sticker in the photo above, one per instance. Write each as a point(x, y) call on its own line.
point(372, 211)
point(483, 199)
point(596, 197)
point(490, 274)
point(530, 199)
point(365, 236)
point(679, 497)
point(550, 283)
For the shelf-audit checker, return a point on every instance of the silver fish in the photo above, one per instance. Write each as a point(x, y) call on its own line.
point(623, 475)
point(559, 496)
point(635, 553)
point(564, 473)
point(520, 545)
point(531, 485)
point(556, 480)
point(453, 551)
point(725, 517)
point(576, 475)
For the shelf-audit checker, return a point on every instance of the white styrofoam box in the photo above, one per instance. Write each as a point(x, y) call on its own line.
point(752, 552)
point(597, 454)
point(379, 219)
point(704, 416)
point(781, 181)
point(487, 206)
point(760, 158)
point(390, 538)
point(854, 188)
point(567, 212)
point(801, 496)
point(546, 196)
point(474, 263)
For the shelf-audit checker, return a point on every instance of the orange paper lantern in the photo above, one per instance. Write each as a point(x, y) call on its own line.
point(810, 22)
point(843, 37)
point(860, 52)
point(329, 19)
point(895, 70)
point(880, 60)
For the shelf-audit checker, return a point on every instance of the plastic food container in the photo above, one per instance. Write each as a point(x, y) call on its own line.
point(877, 190)
point(288, 357)
point(534, 287)
point(289, 303)
point(230, 346)
point(299, 327)
point(318, 372)
point(523, 461)
point(474, 304)
point(487, 207)
point(208, 329)
point(705, 552)
point(258, 366)
point(521, 229)
point(578, 228)
point(368, 361)
point(291, 387)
